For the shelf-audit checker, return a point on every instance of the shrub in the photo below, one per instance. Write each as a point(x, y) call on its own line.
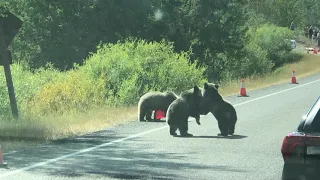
point(75, 92)
point(272, 39)
point(117, 75)
point(134, 67)
point(256, 61)
point(26, 84)
point(267, 47)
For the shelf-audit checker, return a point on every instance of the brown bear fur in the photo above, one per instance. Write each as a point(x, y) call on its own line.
point(152, 101)
point(221, 109)
point(187, 105)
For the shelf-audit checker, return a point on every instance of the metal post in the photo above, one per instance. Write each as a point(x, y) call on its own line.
point(7, 71)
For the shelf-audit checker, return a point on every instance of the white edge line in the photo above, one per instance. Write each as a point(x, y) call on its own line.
point(79, 152)
point(132, 136)
point(279, 92)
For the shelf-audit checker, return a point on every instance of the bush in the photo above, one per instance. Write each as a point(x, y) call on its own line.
point(117, 75)
point(75, 92)
point(256, 61)
point(26, 85)
point(267, 47)
point(272, 39)
point(134, 67)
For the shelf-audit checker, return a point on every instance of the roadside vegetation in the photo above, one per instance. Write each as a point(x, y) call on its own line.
point(82, 66)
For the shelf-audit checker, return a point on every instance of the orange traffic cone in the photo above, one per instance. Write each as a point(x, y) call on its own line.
point(2, 164)
point(159, 114)
point(293, 78)
point(243, 92)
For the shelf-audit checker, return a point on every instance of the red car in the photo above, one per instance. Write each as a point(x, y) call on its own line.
point(301, 148)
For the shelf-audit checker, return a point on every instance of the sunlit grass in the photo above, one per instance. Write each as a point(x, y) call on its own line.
point(310, 64)
point(55, 127)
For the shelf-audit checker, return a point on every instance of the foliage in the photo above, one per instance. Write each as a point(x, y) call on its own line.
point(134, 67)
point(65, 32)
point(117, 75)
point(275, 41)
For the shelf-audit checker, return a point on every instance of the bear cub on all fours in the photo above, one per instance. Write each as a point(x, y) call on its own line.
point(221, 109)
point(152, 101)
point(187, 105)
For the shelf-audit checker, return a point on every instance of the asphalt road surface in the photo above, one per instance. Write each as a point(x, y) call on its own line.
point(145, 150)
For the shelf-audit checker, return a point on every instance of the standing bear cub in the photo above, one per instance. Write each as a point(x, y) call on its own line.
point(152, 101)
point(187, 105)
point(221, 109)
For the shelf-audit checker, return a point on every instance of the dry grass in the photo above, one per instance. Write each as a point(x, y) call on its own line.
point(28, 132)
point(92, 121)
point(48, 128)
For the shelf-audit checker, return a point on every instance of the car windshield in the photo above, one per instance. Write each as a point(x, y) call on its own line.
point(313, 108)
point(316, 120)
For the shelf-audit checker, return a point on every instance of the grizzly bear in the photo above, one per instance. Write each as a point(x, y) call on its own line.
point(187, 105)
point(221, 109)
point(152, 101)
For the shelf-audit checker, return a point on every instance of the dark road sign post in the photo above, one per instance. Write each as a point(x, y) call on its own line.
point(9, 27)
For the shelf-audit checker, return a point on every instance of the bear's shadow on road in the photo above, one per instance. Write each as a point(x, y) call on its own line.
point(161, 120)
point(134, 159)
point(154, 121)
point(218, 137)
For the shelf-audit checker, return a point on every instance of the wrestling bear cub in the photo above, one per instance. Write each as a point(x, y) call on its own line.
point(221, 109)
point(187, 105)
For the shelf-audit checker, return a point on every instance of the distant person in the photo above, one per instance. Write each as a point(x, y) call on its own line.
point(292, 26)
point(318, 38)
point(310, 32)
point(306, 31)
point(315, 33)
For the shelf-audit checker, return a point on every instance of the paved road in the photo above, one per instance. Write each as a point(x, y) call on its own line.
point(146, 151)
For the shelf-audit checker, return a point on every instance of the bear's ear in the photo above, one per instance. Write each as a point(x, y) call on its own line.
point(205, 86)
point(217, 86)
